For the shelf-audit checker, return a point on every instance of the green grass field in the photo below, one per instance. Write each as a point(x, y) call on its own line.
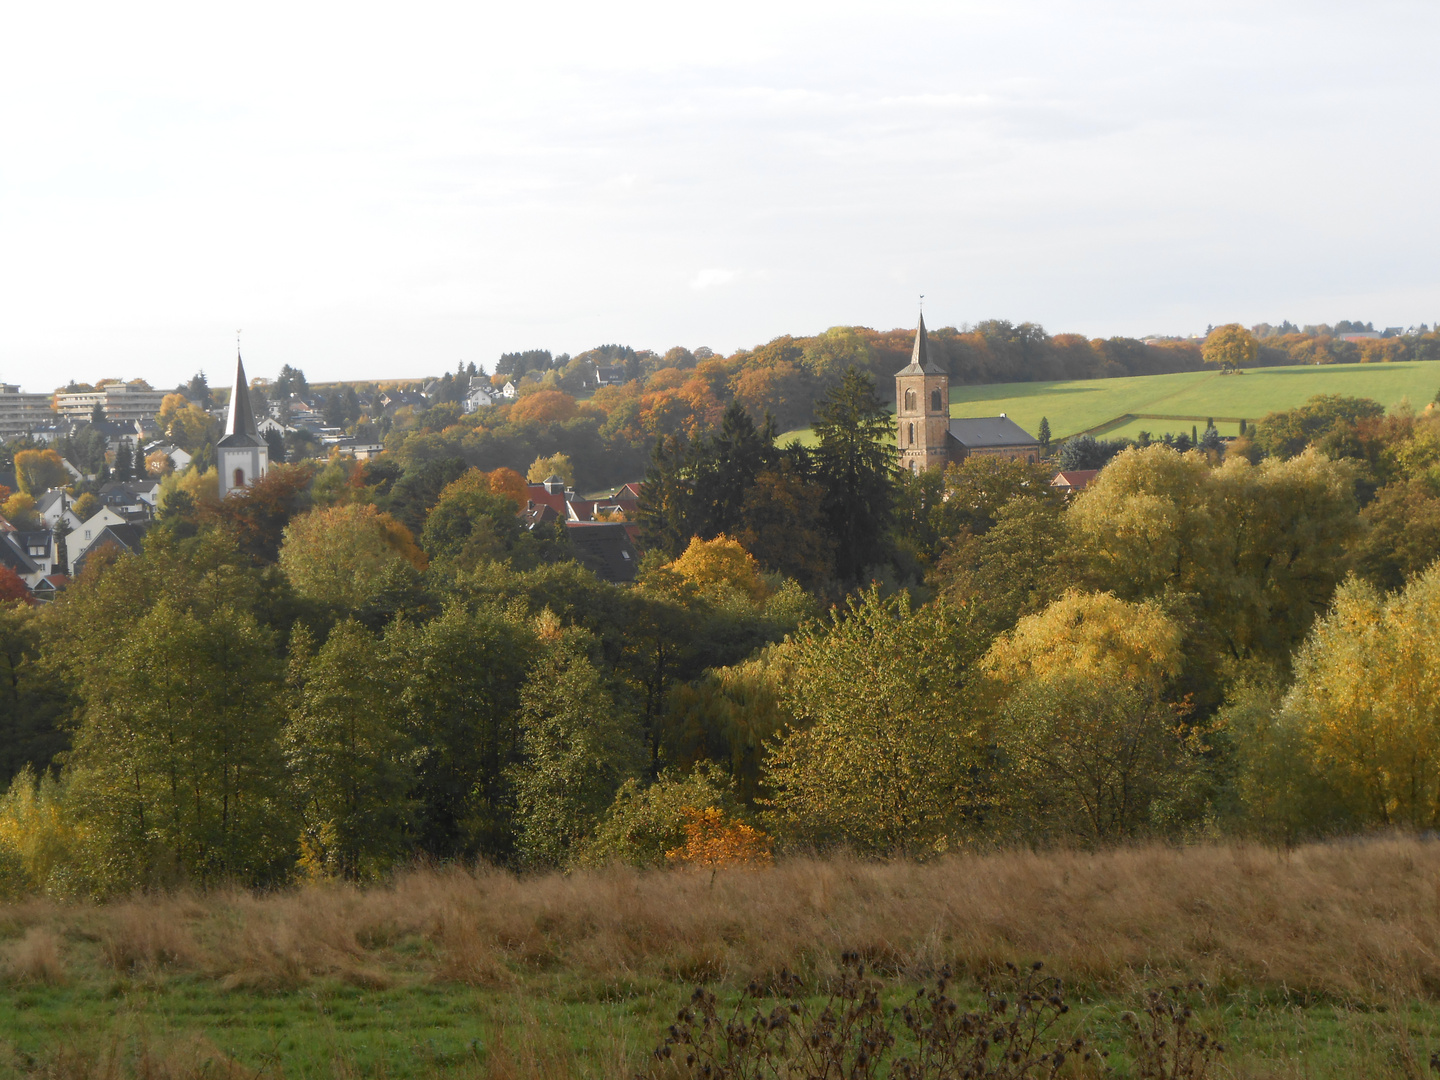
point(1114, 408)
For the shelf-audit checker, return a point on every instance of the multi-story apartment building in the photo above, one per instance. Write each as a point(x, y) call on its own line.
point(19, 413)
point(120, 401)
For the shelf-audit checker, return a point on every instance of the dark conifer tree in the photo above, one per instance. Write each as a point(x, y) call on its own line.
point(855, 464)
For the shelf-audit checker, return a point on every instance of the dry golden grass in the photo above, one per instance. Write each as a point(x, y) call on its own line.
point(1357, 920)
point(36, 958)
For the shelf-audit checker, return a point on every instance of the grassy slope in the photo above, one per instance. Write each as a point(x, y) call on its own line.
point(1323, 961)
point(1081, 404)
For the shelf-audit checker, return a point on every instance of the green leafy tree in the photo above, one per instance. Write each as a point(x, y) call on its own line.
point(1098, 760)
point(176, 770)
point(337, 555)
point(855, 467)
point(578, 749)
point(464, 671)
point(471, 527)
point(647, 820)
point(34, 701)
point(886, 748)
point(350, 763)
point(1287, 433)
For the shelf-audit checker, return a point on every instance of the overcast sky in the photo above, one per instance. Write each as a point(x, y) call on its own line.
point(384, 190)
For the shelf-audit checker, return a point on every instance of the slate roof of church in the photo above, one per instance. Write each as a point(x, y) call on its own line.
point(920, 362)
point(981, 432)
point(240, 427)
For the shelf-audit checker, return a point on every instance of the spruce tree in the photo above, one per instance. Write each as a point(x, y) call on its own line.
point(855, 465)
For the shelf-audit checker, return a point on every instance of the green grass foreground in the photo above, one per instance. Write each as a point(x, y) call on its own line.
point(1115, 408)
point(1323, 961)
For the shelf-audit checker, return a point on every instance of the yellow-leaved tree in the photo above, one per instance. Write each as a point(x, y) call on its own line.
point(542, 468)
point(1230, 347)
point(1090, 748)
point(721, 568)
point(1255, 550)
point(37, 471)
point(340, 554)
point(1366, 701)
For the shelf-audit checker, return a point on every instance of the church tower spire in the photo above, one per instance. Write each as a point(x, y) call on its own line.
point(922, 408)
point(242, 456)
point(241, 420)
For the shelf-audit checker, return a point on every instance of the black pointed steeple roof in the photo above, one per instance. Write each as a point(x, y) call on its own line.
point(920, 362)
point(240, 429)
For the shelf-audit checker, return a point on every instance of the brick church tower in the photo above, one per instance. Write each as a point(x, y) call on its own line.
point(922, 409)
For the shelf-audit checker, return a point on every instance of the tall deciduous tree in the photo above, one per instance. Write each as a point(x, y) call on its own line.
point(579, 748)
point(337, 555)
point(1366, 701)
point(37, 471)
point(350, 763)
point(886, 750)
point(1089, 747)
point(463, 672)
point(177, 772)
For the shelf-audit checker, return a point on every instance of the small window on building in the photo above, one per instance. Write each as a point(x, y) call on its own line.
point(87, 534)
point(239, 477)
point(912, 434)
point(935, 404)
point(625, 555)
point(909, 400)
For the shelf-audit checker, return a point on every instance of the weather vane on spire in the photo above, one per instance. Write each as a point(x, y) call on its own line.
point(922, 303)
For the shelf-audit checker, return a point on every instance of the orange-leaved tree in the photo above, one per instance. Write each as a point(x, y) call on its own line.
point(712, 841)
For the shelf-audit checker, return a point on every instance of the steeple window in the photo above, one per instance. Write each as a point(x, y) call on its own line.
point(935, 403)
point(909, 400)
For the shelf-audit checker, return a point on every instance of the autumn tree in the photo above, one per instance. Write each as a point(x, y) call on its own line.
point(19, 510)
point(1366, 701)
point(721, 568)
point(337, 555)
point(37, 471)
point(886, 748)
point(1230, 347)
point(1089, 746)
point(1288, 432)
point(1259, 549)
point(258, 513)
point(543, 468)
